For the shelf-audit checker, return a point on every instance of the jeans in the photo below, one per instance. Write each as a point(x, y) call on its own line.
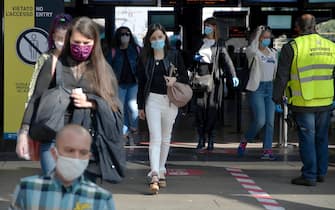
point(128, 97)
point(47, 161)
point(313, 142)
point(161, 115)
point(263, 113)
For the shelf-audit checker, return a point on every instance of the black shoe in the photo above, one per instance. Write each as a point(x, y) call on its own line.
point(201, 138)
point(302, 181)
point(200, 145)
point(210, 146)
point(320, 179)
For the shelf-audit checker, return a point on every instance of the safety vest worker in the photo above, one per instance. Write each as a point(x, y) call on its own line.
point(306, 66)
point(312, 72)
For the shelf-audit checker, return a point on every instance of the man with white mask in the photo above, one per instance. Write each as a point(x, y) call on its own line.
point(65, 188)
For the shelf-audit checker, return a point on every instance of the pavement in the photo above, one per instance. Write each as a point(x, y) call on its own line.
point(201, 181)
point(205, 181)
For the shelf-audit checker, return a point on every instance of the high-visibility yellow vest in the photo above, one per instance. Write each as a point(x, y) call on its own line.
point(311, 83)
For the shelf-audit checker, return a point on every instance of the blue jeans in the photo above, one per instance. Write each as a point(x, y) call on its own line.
point(128, 97)
point(313, 142)
point(47, 161)
point(263, 112)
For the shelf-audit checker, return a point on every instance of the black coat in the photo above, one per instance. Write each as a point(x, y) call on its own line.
point(109, 159)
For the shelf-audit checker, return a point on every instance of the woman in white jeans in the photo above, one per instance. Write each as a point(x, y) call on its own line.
point(154, 65)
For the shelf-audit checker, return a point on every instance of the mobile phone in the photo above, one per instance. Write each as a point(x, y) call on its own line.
point(77, 90)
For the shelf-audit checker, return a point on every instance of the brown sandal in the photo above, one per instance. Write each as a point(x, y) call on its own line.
point(162, 183)
point(154, 184)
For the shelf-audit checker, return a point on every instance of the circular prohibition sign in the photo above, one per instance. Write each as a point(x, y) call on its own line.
point(31, 44)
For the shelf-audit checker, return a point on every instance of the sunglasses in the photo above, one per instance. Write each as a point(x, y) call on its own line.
point(266, 28)
point(125, 34)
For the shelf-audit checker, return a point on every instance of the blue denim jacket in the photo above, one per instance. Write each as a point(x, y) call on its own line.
point(117, 61)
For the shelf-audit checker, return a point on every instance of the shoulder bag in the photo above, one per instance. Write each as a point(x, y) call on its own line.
point(48, 117)
point(179, 94)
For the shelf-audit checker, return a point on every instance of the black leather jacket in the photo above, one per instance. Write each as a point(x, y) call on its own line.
point(145, 74)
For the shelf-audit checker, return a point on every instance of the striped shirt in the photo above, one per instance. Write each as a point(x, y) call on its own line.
point(48, 193)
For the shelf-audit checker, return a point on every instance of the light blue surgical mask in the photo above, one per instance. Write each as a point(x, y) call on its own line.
point(208, 30)
point(266, 42)
point(158, 44)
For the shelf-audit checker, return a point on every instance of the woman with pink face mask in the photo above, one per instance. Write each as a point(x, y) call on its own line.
point(84, 70)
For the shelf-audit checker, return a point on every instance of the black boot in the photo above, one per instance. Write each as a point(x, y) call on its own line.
point(210, 146)
point(201, 138)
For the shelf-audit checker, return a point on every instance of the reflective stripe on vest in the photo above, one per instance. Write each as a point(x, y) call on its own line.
point(308, 79)
point(316, 66)
point(311, 82)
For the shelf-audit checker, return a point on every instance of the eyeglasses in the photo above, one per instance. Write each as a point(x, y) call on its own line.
point(125, 34)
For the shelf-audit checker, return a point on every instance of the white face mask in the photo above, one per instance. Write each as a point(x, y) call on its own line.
point(59, 45)
point(70, 168)
point(125, 39)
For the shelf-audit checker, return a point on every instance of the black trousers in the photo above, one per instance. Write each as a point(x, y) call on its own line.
point(206, 114)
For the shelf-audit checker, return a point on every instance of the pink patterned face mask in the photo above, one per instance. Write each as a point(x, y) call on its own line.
point(81, 52)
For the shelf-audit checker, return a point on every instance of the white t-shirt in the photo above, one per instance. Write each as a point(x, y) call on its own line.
point(205, 50)
point(267, 65)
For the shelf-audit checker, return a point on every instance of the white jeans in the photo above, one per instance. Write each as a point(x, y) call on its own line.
point(160, 114)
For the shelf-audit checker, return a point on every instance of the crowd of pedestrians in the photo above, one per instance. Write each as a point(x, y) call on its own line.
point(107, 96)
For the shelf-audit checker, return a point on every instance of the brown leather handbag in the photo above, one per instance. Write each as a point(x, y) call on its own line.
point(179, 94)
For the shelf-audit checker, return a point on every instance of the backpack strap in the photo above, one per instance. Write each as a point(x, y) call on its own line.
point(53, 64)
point(59, 70)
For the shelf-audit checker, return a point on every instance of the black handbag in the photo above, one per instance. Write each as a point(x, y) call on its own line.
point(203, 82)
point(48, 117)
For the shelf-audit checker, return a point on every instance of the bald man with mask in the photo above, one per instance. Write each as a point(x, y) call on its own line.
point(306, 71)
point(65, 188)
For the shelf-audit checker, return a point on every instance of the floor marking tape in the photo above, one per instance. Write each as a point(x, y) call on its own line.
point(269, 204)
point(251, 183)
point(234, 169)
point(244, 180)
point(251, 187)
point(261, 195)
point(255, 191)
point(267, 201)
point(273, 207)
point(239, 175)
